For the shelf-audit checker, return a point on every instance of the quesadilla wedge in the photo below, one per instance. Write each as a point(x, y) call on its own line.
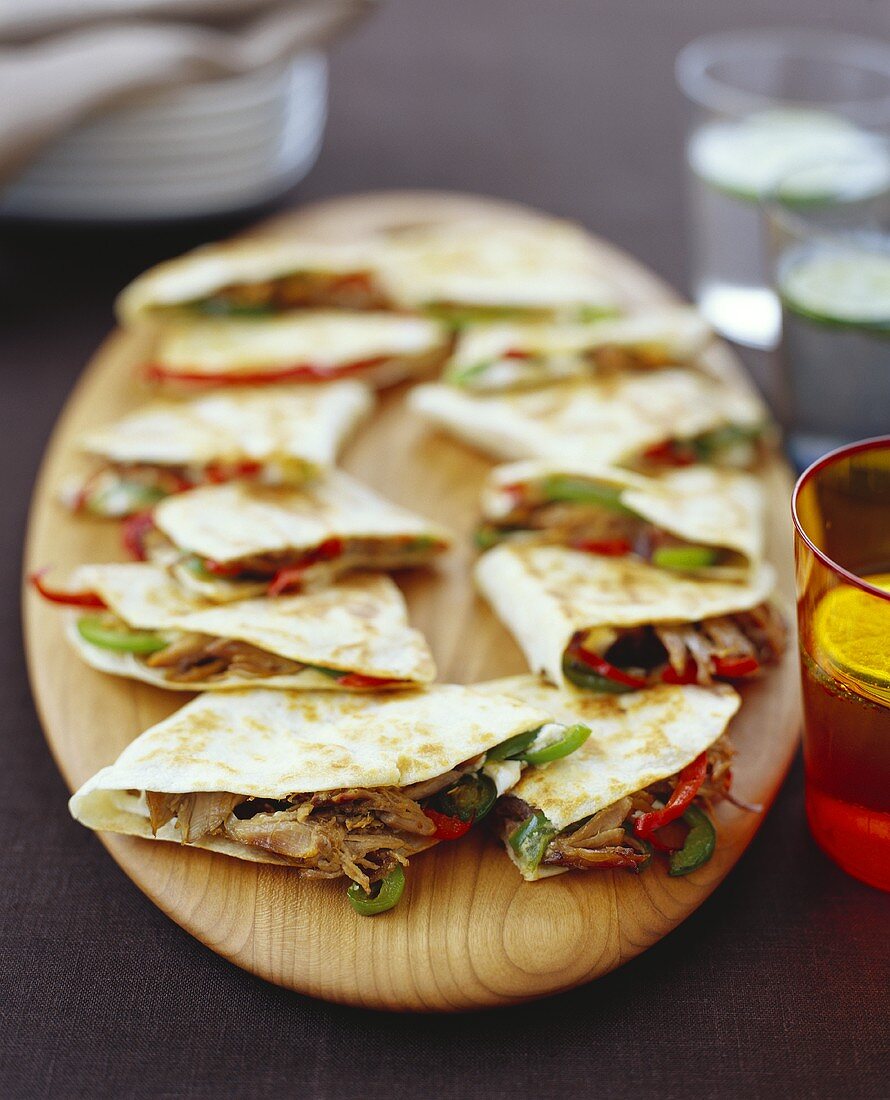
point(308, 346)
point(699, 520)
point(654, 764)
point(491, 358)
point(647, 422)
point(618, 624)
point(257, 277)
point(228, 542)
point(351, 636)
point(284, 435)
point(328, 784)
point(476, 271)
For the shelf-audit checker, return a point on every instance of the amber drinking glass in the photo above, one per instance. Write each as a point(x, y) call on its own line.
point(841, 508)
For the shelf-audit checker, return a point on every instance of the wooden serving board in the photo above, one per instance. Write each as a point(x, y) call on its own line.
point(469, 932)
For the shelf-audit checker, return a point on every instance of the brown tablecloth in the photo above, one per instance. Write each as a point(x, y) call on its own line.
point(777, 986)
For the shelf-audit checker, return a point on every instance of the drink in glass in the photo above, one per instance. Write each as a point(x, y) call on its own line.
point(763, 102)
point(841, 510)
point(832, 274)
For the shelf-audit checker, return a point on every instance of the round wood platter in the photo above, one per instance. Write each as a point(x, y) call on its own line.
point(469, 932)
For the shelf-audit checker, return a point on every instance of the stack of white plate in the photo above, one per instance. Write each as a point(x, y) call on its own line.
point(202, 149)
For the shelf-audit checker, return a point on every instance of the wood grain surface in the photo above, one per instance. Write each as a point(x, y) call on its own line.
point(468, 933)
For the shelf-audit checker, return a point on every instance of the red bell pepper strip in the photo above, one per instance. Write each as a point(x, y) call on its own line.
point(134, 531)
point(448, 828)
point(689, 781)
point(602, 667)
point(516, 492)
point(516, 353)
point(689, 675)
point(660, 844)
point(671, 453)
point(221, 568)
point(181, 484)
point(292, 575)
point(218, 472)
point(357, 680)
point(284, 579)
point(299, 372)
point(733, 667)
point(58, 595)
point(610, 548)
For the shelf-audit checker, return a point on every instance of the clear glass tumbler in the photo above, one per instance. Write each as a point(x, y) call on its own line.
point(762, 102)
point(841, 509)
point(831, 270)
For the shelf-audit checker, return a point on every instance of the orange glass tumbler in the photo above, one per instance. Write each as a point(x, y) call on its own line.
point(841, 510)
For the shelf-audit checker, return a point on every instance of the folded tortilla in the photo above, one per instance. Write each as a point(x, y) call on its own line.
point(568, 502)
point(301, 346)
point(615, 421)
point(329, 640)
point(285, 435)
point(326, 528)
point(546, 595)
point(531, 270)
point(280, 748)
point(489, 358)
point(477, 269)
point(635, 740)
point(255, 276)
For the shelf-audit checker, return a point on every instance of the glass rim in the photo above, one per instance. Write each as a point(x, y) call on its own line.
point(878, 442)
point(700, 86)
point(802, 219)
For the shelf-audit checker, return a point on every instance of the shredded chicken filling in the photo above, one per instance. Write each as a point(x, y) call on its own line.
point(348, 553)
point(712, 643)
point(716, 646)
point(568, 522)
point(196, 658)
point(358, 832)
point(298, 290)
point(606, 839)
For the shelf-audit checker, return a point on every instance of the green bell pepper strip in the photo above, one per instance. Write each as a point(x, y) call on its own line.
point(530, 839)
point(458, 316)
point(684, 558)
point(579, 490)
point(196, 565)
point(384, 894)
point(123, 499)
point(698, 846)
point(573, 738)
point(470, 799)
point(583, 677)
point(709, 444)
point(459, 376)
point(513, 746)
point(222, 307)
point(95, 630)
point(487, 535)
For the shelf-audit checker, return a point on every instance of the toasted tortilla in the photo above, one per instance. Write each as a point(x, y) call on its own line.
point(545, 594)
point(293, 431)
point(546, 266)
point(670, 335)
point(358, 625)
point(635, 740)
point(378, 348)
point(205, 271)
point(228, 522)
point(607, 421)
point(271, 744)
point(700, 504)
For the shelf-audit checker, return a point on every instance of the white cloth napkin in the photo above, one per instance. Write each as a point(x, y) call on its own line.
point(60, 60)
